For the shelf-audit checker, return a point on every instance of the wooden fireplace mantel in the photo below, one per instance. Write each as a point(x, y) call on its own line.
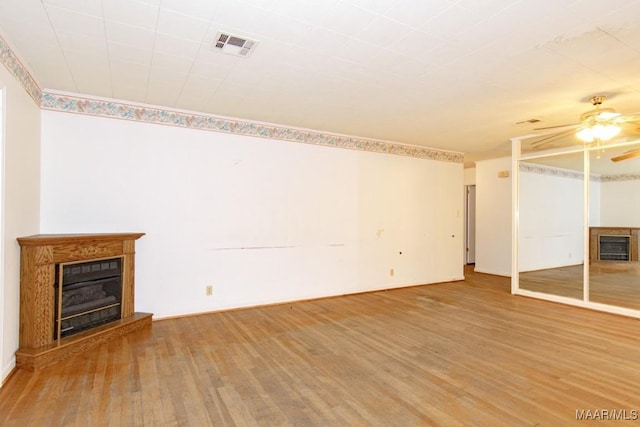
point(38, 258)
point(596, 232)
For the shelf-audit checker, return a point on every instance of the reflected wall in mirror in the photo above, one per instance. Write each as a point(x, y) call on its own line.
point(551, 243)
point(614, 269)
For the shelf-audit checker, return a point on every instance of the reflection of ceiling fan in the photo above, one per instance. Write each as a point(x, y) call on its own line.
point(596, 126)
point(627, 155)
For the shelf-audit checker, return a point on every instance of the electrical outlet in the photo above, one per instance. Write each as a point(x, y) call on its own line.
point(391, 272)
point(209, 290)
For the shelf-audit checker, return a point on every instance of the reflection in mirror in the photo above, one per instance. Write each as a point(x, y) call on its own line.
point(614, 270)
point(551, 225)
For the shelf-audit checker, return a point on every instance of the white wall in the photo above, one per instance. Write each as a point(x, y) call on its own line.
point(620, 203)
point(469, 176)
point(595, 203)
point(551, 232)
point(263, 221)
point(20, 203)
point(493, 217)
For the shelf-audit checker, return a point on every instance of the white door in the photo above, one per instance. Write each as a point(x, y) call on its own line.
point(470, 223)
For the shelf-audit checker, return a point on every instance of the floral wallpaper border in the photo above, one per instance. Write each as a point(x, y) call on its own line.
point(120, 110)
point(12, 63)
point(551, 171)
point(157, 115)
point(567, 173)
point(619, 177)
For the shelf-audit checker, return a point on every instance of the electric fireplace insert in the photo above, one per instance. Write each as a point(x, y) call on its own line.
point(614, 248)
point(88, 294)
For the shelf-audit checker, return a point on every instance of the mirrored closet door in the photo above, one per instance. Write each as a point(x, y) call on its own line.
point(551, 225)
point(614, 269)
point(577, 225)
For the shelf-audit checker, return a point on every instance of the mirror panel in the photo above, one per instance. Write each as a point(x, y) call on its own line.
point(614, 211)
point(551, 225)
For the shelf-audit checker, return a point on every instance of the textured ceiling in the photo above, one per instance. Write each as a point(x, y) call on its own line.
point(449, 74)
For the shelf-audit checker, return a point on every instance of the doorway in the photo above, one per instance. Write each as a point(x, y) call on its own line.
point(470, 224)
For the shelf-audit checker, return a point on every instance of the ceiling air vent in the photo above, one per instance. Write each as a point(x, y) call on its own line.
point(233, 45)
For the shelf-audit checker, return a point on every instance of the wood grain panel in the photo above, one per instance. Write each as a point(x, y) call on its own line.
point(27, 297)
point(44, 305)
point(594, 247)
point(128, 274)
point(86, 251)
point(43, 255)
point(615, 231)
point(50, 239)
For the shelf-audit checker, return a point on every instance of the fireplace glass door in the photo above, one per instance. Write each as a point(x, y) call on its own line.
point(88, 294)
point(614, 248)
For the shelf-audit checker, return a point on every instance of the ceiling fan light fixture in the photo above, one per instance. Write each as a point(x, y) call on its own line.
point(600, 132)
point(607, 115)
point(598, 125)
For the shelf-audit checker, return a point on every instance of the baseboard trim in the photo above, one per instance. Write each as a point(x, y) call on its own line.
point(10, 372)
point(495, 273)
point(160, 318)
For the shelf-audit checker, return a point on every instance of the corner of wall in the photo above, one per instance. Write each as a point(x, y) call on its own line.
point(20, 189)
point(470, 176)
point(493, 216)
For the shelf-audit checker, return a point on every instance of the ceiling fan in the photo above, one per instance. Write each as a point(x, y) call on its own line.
point(596, 126)
point(627, 155)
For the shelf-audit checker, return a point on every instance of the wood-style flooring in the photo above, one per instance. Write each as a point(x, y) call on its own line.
point(612, 283)
point(462, 353)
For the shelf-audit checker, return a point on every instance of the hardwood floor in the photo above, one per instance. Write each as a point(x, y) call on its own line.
point(562, 281)
point(462, 353)
point(613, 283)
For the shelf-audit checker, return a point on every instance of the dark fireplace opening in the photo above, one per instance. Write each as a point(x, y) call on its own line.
point(615, 248)
point(88, 294)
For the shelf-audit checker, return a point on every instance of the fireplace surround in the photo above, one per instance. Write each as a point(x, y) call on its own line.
point(76, 292)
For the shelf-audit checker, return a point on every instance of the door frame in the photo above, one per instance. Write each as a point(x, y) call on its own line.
point(470, 224)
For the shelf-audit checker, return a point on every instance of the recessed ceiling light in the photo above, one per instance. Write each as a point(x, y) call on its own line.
point(233, 45)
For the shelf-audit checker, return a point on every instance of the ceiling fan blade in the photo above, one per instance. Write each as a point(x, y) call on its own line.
point(550, 138)
point(629, 128)
point(558, 126)
point(629, 118)
point(628, 155)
